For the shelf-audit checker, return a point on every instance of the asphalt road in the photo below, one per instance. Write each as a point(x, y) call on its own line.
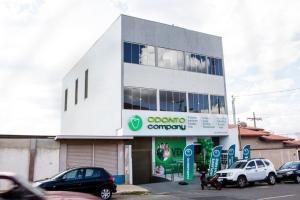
point(173, 191)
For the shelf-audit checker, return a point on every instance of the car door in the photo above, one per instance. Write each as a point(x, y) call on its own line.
point(261, 170)
point(71, 181)
point(92, 180)
point(251, 171)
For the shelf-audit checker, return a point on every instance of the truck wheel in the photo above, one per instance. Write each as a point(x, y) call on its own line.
point(241, 181)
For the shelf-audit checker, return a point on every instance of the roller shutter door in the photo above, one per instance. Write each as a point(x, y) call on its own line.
point(98, 154)
point(79, 155)
point(106, 156)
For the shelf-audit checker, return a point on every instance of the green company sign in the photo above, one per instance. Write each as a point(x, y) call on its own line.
point(135, 123)
point(167, 123)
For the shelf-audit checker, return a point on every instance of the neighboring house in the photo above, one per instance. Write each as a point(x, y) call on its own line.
point(140, 94)
point(279, 149)
point(31, 156)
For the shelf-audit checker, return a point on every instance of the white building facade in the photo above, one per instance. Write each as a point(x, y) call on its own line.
point(141, 93)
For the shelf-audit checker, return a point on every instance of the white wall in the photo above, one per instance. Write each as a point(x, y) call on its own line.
point(14, 160)
point(46, 163)
point(160, 78)
point(100, 113)
point(232, 138)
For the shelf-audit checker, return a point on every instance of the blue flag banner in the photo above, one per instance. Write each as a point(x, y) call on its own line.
point(188, 162)
point(215, 160)
point(247, 152)
point(231, 155)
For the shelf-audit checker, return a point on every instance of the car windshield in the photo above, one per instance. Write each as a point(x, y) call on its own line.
point(58, 175)
point(238, 165)
point(290, 166)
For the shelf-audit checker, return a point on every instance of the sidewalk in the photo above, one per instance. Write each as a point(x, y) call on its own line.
point(132, 189)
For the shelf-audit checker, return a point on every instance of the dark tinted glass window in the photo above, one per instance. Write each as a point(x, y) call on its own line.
point(74, 175)
point(128, 98)
point(191, 102)
point(76, 91)
point(198, 103)
point(182, 102)
point(163, 100)
point(92, 173)
point(127, 52)
point(86, 82)
point(215, 66)
point(267, 162)
point(172, 101)
point(217, 104)
point(195, 63)
point(135, 53)
point(139, 98)
point(66, 100)
point(139, 54)
point(260, 164)
point(152, 100)
point(136, 98)
point(251, 164)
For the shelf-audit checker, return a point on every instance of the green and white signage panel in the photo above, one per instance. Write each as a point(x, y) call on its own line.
point(149, 123)
point(215, 160)
point(188, 162)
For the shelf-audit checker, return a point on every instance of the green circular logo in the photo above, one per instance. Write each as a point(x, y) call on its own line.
point(135, 123)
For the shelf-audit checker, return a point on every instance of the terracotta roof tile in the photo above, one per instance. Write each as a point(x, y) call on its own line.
point(273, 137)
point(292, 142)
point(252, 132)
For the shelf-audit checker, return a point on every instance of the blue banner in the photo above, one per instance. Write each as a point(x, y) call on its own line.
point(215, 160)
point(188, 162)
point(247, 152)
point(231, 155)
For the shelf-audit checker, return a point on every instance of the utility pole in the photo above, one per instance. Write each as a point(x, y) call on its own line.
point(233, 109)
point(255, 119)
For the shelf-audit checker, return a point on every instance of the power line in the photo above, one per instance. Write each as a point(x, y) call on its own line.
point(268, 92)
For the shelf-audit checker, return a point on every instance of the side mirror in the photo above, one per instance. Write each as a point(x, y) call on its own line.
point(249, 168)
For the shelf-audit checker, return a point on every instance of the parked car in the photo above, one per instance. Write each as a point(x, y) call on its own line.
point(248, 171)
point(13, 187)
point(92, 180)
point(290, 171)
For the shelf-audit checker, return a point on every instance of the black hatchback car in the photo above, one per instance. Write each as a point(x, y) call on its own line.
point(290, 171)
point(92, 180)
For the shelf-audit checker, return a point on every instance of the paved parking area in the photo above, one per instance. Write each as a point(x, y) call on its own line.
point(173, 191)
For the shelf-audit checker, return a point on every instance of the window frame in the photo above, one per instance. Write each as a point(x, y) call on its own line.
point(139, 55)
point(140, 89)
point(185, 107)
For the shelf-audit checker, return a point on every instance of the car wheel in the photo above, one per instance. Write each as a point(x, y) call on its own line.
point(271, 179)
point(241, 181)
point(105, 193)
point(297, 180)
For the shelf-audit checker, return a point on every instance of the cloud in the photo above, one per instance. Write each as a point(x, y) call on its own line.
point(40, 40)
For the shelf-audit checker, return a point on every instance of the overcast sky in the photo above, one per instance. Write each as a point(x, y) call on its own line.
point(40, 41)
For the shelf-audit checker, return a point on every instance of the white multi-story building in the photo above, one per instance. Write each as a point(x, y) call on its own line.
point(141, 93)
